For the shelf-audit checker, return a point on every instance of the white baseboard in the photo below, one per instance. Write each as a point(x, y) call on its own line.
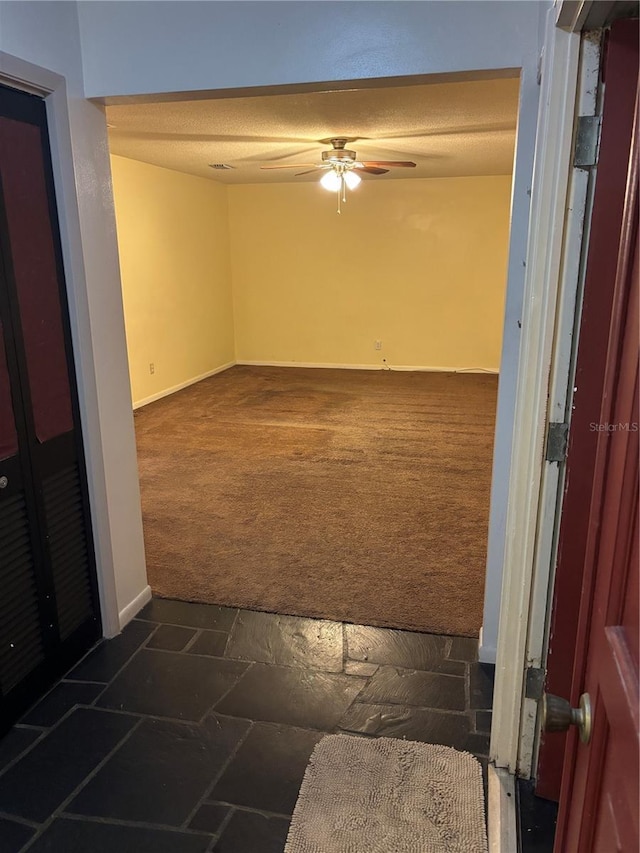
point(486, 654)
point(399, 367)
point(134, 607)
point(501, 811)
point(139, 403)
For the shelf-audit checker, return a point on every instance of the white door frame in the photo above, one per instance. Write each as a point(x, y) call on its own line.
point(560, 214)
point(561, 381)
point(27, 77)
point(519, 634)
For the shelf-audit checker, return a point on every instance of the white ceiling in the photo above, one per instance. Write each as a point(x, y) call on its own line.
point(448, 129)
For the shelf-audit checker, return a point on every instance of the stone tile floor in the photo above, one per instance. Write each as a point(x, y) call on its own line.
point(191, 731)
point(536, 819)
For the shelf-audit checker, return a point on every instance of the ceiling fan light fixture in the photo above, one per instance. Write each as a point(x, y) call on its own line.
point(340, 165)
point(352, 180)
point(331, 181)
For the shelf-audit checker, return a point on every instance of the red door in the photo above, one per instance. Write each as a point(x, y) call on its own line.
point(574, 570)
point(600, 789)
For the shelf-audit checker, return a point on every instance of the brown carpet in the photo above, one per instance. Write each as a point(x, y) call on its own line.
point(360, 496)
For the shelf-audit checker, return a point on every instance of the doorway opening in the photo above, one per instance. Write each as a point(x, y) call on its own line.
point(315, 393)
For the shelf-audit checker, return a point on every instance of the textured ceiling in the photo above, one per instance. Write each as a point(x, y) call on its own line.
point(447, 129)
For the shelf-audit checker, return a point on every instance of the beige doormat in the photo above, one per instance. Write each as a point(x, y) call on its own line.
point(383, 795)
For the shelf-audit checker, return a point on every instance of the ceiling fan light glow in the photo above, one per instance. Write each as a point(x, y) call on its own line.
point(352, 180)
point(331, 181)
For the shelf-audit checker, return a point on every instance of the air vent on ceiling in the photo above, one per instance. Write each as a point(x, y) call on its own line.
point(220, 166)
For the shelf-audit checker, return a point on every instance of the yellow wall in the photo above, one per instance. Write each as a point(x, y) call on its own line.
point(173, 239)
point(418, 264)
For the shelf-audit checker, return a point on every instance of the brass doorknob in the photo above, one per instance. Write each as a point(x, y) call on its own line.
point(558, 715)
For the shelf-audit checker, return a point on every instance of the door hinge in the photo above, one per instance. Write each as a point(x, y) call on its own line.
point(587, 144)
point(534, 683)
point(557, 435)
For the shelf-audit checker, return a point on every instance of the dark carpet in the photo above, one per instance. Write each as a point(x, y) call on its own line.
point(358, 496)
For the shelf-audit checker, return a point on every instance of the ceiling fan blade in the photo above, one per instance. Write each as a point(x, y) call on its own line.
point(290, 166)
point(308, 171)
point(391, 163)
point(370, 170)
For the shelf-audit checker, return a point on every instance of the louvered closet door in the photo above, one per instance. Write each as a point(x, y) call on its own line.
point(21, 623)
point(48, 599)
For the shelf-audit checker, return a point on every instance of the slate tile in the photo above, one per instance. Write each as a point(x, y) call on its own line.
point(79, 836)
point(14, 742)
point(477, 743)
point(161, 772)
point(356, 667)
point(209, 817)
point(171, 638)
point(109, 656)
point(483, 721)
point(537, 819)
point(464, 648)
point(267, 771)
point(212, 643)
point(306, 698)
point(169, 684)
point(400, 648)
point(248, 832)
point(481, 677)
point(61, 699)
point(186, 613)
point(287, 641)
point(45, 776)
point(410, 723)
point(394, 686)
point(13, 836)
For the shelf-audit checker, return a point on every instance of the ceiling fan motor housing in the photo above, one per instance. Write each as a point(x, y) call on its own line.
point(339, 156)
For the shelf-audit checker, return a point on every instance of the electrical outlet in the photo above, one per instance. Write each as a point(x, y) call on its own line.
point(377, 344)
point(152, 368)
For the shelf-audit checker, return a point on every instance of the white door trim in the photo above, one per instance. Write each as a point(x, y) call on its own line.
point(544, 256)
point(579, 204)
point(25, 76)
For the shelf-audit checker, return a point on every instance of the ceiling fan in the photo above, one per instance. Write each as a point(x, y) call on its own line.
point(341, 167)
